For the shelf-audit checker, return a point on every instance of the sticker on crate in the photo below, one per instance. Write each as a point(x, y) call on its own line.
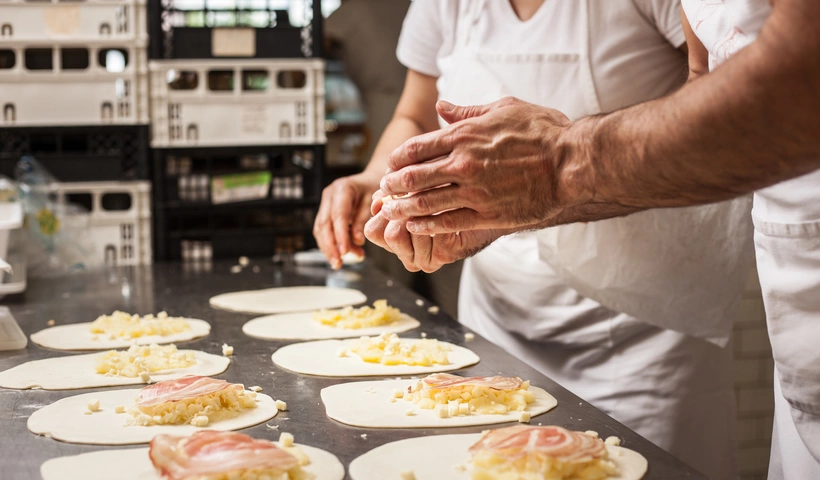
point(240, 187)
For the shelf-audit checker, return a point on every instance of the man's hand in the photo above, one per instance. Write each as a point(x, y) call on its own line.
point(339, 226)
point(495, 167)
point(424, 252)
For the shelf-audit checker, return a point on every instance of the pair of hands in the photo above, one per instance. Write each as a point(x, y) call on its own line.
point(488, 174)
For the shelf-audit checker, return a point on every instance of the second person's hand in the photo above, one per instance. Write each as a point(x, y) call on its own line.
point(344, 210)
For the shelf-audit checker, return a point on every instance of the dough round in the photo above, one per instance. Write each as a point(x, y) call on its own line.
point(367, 404)
point(134, 464)
point(321, 358)
point(443, 457)
point(302, 326)
point(77, 371)
point(78, 337)
point(65, 420)
point(287, 299)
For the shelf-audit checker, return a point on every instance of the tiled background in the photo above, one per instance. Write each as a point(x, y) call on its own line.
point(754, 369)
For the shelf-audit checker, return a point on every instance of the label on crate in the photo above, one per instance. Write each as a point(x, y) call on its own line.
point(240, 187)
point(233, 42)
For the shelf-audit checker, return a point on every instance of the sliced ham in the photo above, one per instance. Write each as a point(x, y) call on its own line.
point(182, 389)
point(446, 380)
point(209, 453)
point(556, 442)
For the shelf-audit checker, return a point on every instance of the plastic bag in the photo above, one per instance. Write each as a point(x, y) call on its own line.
point(55, 235)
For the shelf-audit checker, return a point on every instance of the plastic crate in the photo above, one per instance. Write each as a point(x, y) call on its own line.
point(216, 103)
point(119, 219)
point(97, 82)
point(187, 223)
point(79, 154)
point(189, 29)
point(115, 20)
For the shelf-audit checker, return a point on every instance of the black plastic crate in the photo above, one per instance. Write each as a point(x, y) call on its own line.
point(79, 154)
point(257, 227)
point(186, 33)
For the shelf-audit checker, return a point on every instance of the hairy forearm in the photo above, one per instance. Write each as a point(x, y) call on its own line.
point(751, 123)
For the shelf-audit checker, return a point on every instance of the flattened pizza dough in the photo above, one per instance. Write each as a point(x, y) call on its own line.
point(77, 336)
point(302, 326)
point(322, 358)
point(65, 420)
point(367, 404)
point(443, 457)
point(77, 371)
point(287, 299)
point(134, 464)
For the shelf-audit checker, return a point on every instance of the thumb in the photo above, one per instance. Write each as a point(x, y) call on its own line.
point(454, 113)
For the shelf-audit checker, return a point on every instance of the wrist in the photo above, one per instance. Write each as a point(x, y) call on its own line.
point(573, 170)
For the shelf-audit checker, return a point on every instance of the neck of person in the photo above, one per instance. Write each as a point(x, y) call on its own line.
point(525, 9)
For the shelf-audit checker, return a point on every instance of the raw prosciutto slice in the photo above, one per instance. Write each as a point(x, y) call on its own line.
point(182, 389)
point(209, 452)
point(446, 380)
point(559, 443)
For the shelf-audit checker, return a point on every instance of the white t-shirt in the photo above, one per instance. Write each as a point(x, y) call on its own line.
point(634, 58)
point(649, 29)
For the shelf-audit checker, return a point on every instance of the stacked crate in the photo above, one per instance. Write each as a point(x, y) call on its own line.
point(74, 87)
point(237, 126)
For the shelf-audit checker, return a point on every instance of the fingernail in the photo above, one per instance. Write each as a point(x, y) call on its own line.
point(446, 106)
point(388, 171)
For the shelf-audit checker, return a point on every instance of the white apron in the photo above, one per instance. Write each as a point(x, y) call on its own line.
point(673, 389)
point(787, 241)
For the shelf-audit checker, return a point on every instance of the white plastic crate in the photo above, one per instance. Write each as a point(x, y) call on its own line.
point(116, 20)
point(212, 103)
point(107, 84)
point(120, 237)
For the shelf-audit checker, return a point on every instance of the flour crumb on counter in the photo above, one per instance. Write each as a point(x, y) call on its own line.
point(236, 269)
point(256, 269)
point(364, 436)
point(469, 336)
point(255, 388)
point(434, 309)
point(613, 441)
point(51, 323)
point(281, 406)
point(420, 302)
point(227, 350)
point(272, 427)
point(423, 335)
point(390, 283)
point(244, 261)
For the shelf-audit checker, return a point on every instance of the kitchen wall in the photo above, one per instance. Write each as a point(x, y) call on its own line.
point(754, 369)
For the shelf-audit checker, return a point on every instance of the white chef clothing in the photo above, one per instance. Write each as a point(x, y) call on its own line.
point(787, 241)
point(667, 386)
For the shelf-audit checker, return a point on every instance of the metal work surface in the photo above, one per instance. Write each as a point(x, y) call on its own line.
point(184, 291)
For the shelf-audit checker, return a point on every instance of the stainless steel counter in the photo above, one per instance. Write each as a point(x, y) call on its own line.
point(184, 291)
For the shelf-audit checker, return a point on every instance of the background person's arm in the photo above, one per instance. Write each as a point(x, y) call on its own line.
point(345, 206)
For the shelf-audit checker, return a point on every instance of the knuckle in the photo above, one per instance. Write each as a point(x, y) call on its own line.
point(407, 178)
point(422, 204)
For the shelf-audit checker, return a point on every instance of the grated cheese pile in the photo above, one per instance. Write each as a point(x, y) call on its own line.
point(468, 399)
point(528, 463)
point(143, 359)
point(198, 411)
point(364, 317)
point(124, 325)
point(388, 349)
